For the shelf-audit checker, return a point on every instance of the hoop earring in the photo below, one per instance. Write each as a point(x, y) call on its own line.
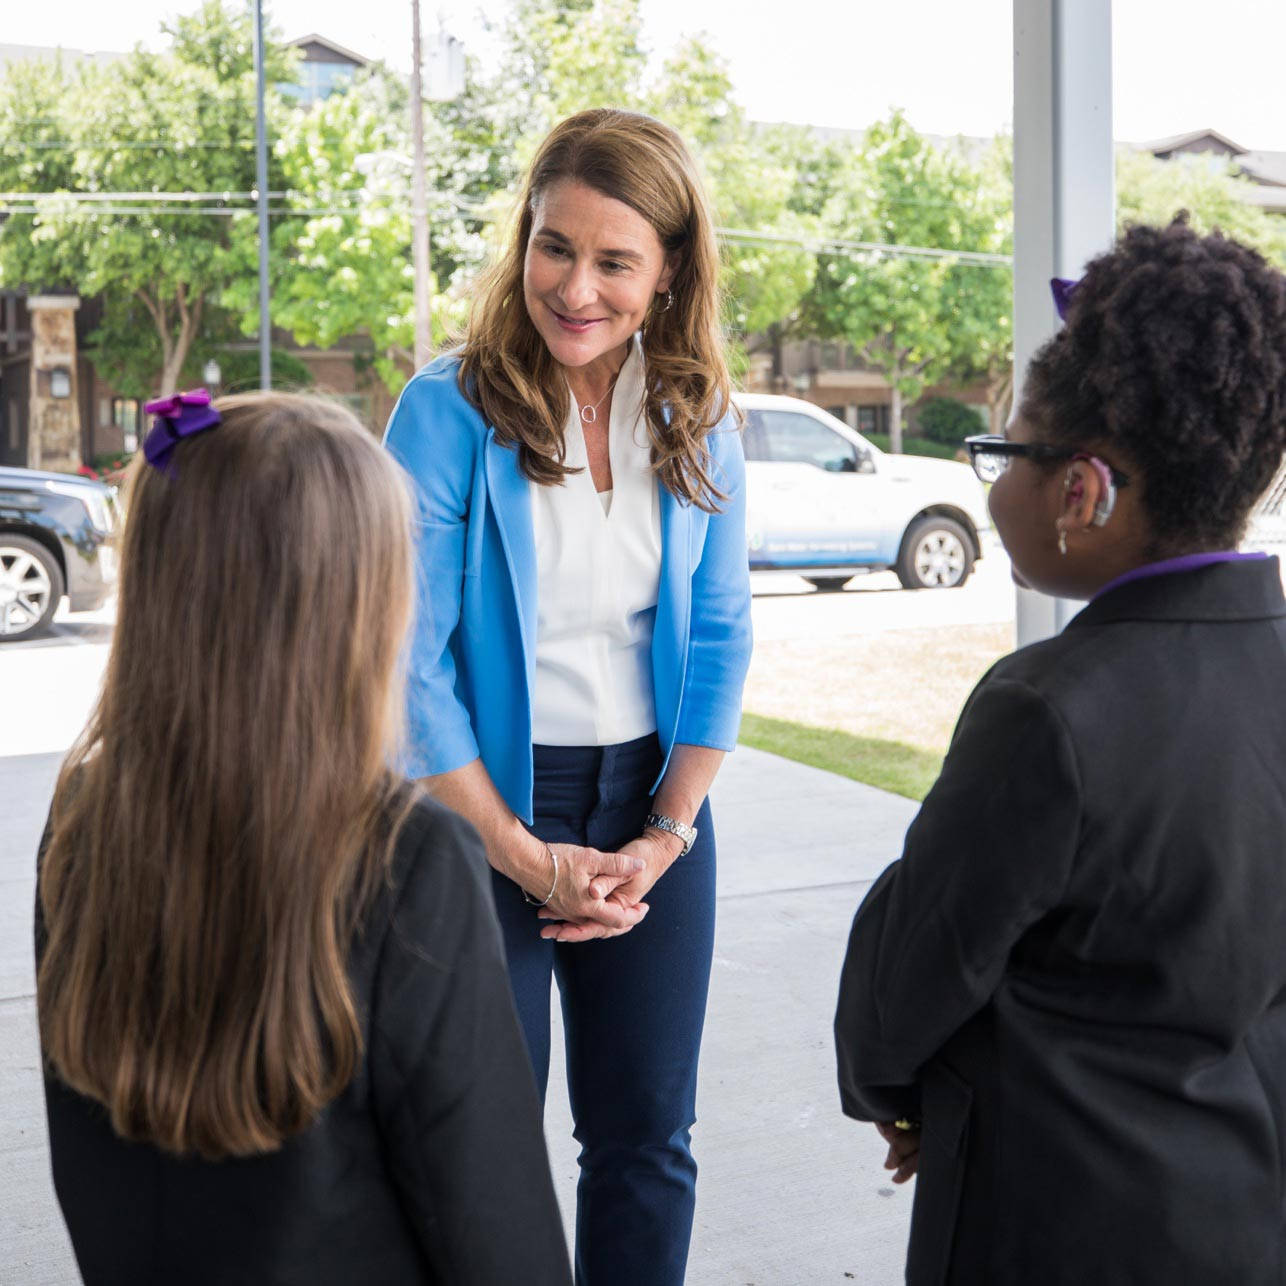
point(1062, 541)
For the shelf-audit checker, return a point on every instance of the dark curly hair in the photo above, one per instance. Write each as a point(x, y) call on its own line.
point(1174, 353)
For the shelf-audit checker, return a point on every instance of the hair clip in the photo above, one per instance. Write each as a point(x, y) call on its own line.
point(1062, 288)
point(178, 416)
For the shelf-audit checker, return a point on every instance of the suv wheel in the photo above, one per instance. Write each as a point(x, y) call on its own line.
point(828, 584)
point(936, 554)
point(31, 587)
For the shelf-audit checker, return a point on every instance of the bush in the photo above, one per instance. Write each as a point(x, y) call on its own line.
point(917, 446)
point(943, 419)
point(241, 372)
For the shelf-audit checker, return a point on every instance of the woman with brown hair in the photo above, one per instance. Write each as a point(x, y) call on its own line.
point(277, 1029)
point(582, 638)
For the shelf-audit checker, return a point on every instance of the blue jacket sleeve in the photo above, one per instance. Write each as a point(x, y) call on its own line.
point(432, 437)
point(720, 635)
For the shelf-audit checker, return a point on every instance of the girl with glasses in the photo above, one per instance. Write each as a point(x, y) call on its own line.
point(1066, 1004)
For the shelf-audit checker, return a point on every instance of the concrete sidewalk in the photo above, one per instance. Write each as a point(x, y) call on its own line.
point(790, 1192)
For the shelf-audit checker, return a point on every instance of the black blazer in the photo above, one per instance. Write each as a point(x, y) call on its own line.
point(1077, 972)
point(429, 1168)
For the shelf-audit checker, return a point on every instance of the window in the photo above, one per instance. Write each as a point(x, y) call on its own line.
point(318, 80)
point(753, 441)
point(790, 438)
point(126, 415)
point(873, 419)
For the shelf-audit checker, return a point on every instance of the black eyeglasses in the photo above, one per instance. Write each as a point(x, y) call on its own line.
point(990, 455)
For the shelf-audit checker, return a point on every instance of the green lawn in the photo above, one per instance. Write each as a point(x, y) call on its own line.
point(890, 765)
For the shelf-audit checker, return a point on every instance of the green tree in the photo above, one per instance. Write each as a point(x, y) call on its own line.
point(341, 261)
point(980, 297)
point(893, 307)
point(1149, 190)
point(564, 56)
point(752, 182)
point(176, 122)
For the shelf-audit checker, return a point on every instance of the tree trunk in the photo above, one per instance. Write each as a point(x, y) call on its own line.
point(1000, 391)
point(778, 358)
point(172, 366)
point(895, 419)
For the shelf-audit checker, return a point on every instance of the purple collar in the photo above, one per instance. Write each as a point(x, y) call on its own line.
point(1184, 563)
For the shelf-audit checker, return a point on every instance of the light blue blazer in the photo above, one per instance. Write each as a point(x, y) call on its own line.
point(471, 664)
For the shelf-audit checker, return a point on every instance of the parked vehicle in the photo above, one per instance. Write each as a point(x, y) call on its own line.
point(824, 502)
point(57, 536)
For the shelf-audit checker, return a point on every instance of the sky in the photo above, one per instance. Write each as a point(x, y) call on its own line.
point(1178, 65)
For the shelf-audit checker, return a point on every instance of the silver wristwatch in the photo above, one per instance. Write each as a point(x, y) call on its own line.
point(688, 834)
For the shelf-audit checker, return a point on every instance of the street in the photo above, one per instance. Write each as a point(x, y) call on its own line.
point(788, 609)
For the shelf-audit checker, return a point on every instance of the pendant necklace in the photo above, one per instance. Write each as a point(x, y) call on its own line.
point(589, 414)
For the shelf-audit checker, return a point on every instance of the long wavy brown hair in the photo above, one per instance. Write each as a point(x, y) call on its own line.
point(510, 375)
point(228, 812)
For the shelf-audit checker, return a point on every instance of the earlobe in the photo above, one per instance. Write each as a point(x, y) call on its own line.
point(1079, 498)
point(668, 273)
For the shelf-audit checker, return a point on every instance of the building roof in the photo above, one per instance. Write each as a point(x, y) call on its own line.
point(338, 52)
point(1184, 142)
point(1266, 167)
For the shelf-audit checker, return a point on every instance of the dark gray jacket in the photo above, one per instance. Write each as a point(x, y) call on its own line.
point(429, 1168)
point(1077, 972)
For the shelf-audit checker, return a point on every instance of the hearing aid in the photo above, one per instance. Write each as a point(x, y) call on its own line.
point(1103, 510)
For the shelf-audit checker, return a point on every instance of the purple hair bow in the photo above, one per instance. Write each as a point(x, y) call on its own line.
point(1063, 288)
point(178, 416)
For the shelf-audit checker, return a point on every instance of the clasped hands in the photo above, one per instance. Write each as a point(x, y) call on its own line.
point(600, 895)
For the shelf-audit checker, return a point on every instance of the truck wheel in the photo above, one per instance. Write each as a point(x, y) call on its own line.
point(936, 554)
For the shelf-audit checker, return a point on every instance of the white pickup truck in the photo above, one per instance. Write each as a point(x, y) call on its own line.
point(824, 502)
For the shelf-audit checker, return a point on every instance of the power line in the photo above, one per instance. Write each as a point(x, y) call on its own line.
point(138, 196)
point(969, 258)
point(163, 203)
point(66, 145)
point(225, 211)
point(359, 195)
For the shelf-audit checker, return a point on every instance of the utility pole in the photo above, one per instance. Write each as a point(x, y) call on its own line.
point(419, 212)
point(261, 183)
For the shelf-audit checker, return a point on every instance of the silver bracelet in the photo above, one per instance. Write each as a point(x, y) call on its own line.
point(531, 901)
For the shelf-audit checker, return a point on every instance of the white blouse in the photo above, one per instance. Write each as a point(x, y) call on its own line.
point(598, 570)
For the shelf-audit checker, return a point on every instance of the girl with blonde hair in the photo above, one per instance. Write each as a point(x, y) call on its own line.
point(582, 639)
point(277, 1030)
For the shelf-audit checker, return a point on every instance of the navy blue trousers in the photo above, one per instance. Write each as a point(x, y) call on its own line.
point(633, 1012)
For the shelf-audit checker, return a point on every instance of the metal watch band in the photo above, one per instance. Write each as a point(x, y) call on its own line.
point(688, 834)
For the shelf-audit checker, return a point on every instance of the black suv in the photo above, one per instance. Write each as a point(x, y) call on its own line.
point(57, 536)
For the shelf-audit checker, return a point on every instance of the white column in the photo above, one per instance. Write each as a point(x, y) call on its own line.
point(1064, 189)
